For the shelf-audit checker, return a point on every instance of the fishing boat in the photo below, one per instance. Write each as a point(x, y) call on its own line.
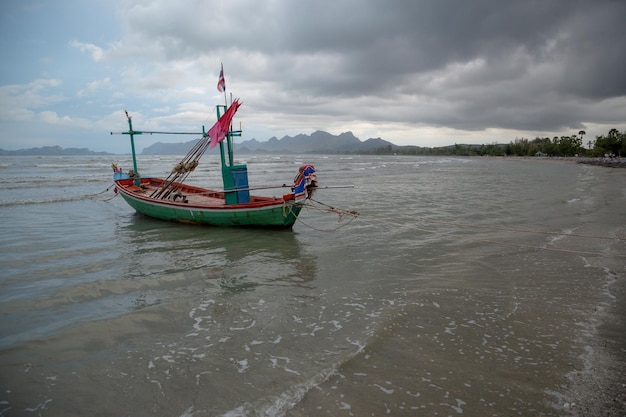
point(172, 199)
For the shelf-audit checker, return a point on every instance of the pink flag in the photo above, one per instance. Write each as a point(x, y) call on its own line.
point(219, 130)
point(221, 83)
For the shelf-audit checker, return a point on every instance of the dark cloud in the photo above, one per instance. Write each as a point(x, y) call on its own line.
point(395, 65)
point(531, 65)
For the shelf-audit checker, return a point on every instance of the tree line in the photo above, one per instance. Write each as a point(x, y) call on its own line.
point(611, 144)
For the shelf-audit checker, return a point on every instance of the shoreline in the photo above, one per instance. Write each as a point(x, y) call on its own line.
point(599, 389)
point(605, 162)
point(616, 162)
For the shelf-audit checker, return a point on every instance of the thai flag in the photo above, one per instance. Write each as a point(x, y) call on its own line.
point(221, 84)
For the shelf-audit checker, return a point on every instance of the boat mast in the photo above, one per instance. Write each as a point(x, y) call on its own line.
point(132, 133)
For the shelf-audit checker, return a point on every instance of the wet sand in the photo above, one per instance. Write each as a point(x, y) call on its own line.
point(601, 387)
point(605, 162)
point(600, 390)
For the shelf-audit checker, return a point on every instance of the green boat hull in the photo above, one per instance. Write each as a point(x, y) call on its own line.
point(282, 214)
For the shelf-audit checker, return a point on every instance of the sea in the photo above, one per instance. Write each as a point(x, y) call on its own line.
point(410, 286)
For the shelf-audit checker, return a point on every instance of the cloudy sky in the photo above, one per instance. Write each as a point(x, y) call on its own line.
point(413, 72)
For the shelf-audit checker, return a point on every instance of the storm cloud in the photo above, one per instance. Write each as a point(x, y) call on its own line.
point(410, 71)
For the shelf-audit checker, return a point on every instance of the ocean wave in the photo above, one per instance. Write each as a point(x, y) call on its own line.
point(278, 406)
point(50, 200)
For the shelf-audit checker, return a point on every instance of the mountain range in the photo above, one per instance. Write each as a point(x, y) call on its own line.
point(319, 142)
point(51, 150)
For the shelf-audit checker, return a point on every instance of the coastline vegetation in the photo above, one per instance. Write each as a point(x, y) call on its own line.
point(611, 144)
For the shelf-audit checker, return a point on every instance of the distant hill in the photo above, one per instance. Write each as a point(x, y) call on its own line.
point(160, 148)
point(51, 150)
point(319, 142)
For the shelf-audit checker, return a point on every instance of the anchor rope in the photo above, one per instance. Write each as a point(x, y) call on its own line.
point(508, 229)
point(110, 198)
point(339, 211)
point(101, 192)
point(322, 207)
point(402, 220)
point(577, 252)
point(93, 196)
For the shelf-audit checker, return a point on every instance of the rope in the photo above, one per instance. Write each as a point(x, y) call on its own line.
point(182, 170)
point(329, 209)
point(110, 198)
point(523, 230)
point(102, 192)
point(339, 211)
point(618, 239)
point(324, 230)
point(578, 252)
point(288, 205)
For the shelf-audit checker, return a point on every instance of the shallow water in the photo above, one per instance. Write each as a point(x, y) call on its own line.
point(466, 286)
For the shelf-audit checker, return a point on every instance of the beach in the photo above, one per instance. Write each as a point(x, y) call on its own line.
point(600, 388)
point(614, 162)
point(466, 286)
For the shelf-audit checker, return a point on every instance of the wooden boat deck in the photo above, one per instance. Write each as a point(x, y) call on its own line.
point(194, 196)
